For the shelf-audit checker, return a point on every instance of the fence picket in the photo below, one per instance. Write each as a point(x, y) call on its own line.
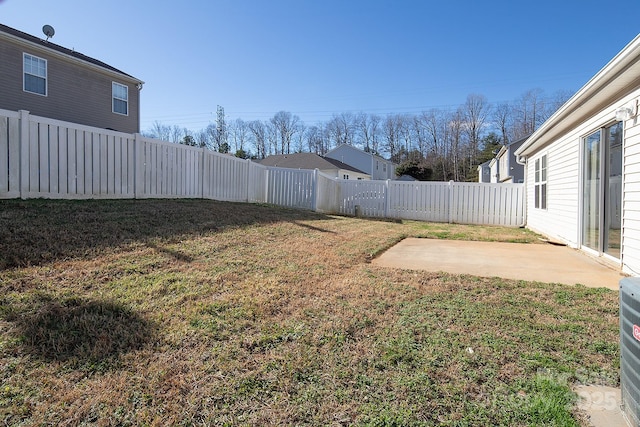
point(5, 156)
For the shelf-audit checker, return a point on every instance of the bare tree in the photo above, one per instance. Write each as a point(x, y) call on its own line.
point(317, 139)
point(367, 131)
point(314, 140)
point(342, 128)
point(177, 133)
point(475, 114)
point(528, 113)
point(285, 126)
point(202, 139)
point(556, 101)
point(420, 134)
point(405, 129)
point(272, 139)
point(299, 137)
point(391, 134)
point(160, 131)
point(214, 138)
point(239, 132)
point(456, 128)
point(502, 118)
point(259, 134)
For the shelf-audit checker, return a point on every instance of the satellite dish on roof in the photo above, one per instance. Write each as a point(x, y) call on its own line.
point(48, 31)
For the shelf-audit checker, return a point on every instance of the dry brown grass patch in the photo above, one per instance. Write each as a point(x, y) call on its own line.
point(207, 313)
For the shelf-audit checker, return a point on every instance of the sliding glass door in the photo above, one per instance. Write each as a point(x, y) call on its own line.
point(602, 190)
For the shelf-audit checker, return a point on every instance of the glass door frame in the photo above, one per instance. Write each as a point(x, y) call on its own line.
point(603, 191)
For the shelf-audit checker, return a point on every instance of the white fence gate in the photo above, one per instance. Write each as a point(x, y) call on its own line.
point(455, 202)
point(47, 158)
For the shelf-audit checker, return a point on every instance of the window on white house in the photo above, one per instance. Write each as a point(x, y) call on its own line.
point(540, 182)
point(384, 167)
point(120, 98)
point(35, 74)
point(345, 176)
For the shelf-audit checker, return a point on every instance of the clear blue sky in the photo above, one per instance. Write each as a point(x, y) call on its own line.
point(316, 58)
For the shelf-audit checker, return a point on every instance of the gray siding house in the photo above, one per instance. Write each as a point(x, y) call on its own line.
point(52, 81)
point(375, 166)
point(508, 169)
point(484, 172)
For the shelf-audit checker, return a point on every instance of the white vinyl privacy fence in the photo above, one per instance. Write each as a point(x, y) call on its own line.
point(44, 158)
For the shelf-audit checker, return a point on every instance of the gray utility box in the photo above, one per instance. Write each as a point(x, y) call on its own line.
point(630, 348)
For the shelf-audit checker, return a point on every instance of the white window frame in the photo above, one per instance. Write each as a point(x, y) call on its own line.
point(114, 85)
point(24, 74)
point(541, 177)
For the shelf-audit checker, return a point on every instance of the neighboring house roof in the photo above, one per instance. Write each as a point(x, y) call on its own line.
point(511, 146)
point(377, 157)
point(484, 165)
point(618, 78)
point(12, 32)
point(306, 161)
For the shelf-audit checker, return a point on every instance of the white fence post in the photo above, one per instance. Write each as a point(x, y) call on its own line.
point(24, 153)
point(387, 201)
point(451, 201)
point(138, 166)
point(249, 186)
point(202, 153)
point(314, 191)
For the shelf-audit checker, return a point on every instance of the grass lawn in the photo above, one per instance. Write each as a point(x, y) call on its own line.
point(156, 312)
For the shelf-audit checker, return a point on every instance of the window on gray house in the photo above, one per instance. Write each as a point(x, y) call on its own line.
point(540, 183)
point(120, 98)
point(35, 74)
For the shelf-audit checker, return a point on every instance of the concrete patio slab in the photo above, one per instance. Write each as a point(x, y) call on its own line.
point(533, 262)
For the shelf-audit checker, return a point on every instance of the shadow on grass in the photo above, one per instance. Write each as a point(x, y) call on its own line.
point(84, 332)
point(34, 232)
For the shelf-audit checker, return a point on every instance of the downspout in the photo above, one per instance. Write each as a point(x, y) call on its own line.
point(523, 161)
point(139, 87)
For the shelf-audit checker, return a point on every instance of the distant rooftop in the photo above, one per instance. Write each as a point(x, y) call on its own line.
point(306, 161)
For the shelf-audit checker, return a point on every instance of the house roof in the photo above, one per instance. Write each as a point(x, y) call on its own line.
point(510, 146)
point(618, 78)
point(362, 151)
point(484, 164)
point(306, 161)
point(13, 33)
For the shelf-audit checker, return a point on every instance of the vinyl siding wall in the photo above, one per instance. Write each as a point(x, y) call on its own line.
point(562, 218)
point(559, 220)
point(503, 167)
point(75, 93)
point(363, 161)
point(631, 195)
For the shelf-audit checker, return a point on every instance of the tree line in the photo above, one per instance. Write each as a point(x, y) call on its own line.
point(436, 144)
